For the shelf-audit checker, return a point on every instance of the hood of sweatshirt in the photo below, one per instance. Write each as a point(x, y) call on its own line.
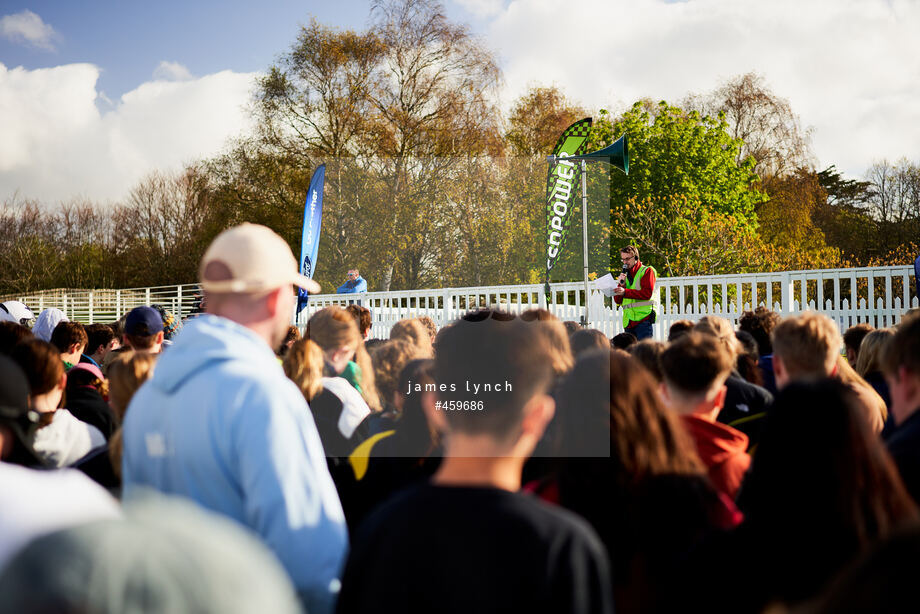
point(715, 442)
point(204, 342)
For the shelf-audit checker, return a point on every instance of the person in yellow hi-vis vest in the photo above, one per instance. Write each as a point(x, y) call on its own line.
point(635, 294)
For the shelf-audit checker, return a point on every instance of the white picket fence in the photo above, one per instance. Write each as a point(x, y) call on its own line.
point(877, 295)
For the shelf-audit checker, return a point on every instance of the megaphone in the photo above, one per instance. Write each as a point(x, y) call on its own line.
point(617, 154)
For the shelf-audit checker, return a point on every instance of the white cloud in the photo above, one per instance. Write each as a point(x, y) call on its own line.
point(171, 71)
point(482, 8)
point(27, 27)
point(850, 68)
point(57, 144)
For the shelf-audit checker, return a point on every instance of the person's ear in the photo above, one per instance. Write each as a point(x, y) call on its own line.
point(273, 302)
point(73, 348)
point(63, 383)
point(342, 354)
point(719, 401)
point(434, 416)
point(160, 336)
point(907, 379)
point(664, 392)
point(851, 356)
point(537, 414)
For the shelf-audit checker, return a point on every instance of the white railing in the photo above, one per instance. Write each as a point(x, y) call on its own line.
point(877, 295)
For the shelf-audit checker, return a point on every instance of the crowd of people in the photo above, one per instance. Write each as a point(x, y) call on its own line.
point(498, 463)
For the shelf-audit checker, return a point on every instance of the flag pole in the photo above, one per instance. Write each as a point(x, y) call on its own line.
point(584, 233)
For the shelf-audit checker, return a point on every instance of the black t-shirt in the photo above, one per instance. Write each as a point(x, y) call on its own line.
point(459, 549)
point(746, 405)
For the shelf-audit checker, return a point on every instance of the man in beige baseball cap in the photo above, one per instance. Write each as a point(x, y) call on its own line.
point(250, 259)
point(247, 274)
point(220, 424)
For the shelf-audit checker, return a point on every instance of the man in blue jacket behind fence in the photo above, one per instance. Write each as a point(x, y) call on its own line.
point(220, 424)
point(354, 283)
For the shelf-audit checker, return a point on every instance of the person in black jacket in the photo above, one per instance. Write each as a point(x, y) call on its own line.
point(901, 365)
point(86, 391)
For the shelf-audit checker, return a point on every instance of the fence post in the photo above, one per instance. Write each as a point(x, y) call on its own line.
point(445, 312)
point(90, 307)
point(787, 288)
point(146, 296)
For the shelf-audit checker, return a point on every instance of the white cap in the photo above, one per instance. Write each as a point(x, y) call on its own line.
point(250, 259)
point(18, 310)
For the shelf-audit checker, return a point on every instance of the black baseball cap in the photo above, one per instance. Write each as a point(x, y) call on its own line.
point(15, 413)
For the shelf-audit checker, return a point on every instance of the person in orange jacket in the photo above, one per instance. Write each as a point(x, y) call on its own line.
point(695, 368)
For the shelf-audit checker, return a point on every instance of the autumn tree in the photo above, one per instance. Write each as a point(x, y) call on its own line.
point(764, 123)
point(787, 221)
point(164, 228)
point(28, 257)
point(537, 118)
point(316, 99)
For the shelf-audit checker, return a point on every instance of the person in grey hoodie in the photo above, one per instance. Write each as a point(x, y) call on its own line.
point(219, 423)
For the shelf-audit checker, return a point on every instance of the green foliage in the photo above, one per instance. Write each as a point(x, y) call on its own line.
point(674, 152)
point(676, 158)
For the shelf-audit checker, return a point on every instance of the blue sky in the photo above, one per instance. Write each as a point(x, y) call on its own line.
point(94, 95)
point(128, 40)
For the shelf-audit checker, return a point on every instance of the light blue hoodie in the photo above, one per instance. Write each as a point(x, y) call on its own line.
point(220, 423)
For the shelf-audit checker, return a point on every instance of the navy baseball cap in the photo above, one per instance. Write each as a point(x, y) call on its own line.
point(143, 322)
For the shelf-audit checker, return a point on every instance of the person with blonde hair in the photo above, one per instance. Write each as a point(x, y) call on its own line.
point(869, 367)
point(127, 371)
point(867, 395)
point(430, 326)
point(334, 330)
point(871, 351)
point(414, 332)
point(554, 332)
point(807, 347)
point(338, 409)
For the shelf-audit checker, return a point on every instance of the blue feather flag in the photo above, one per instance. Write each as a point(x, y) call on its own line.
point(312, 225)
